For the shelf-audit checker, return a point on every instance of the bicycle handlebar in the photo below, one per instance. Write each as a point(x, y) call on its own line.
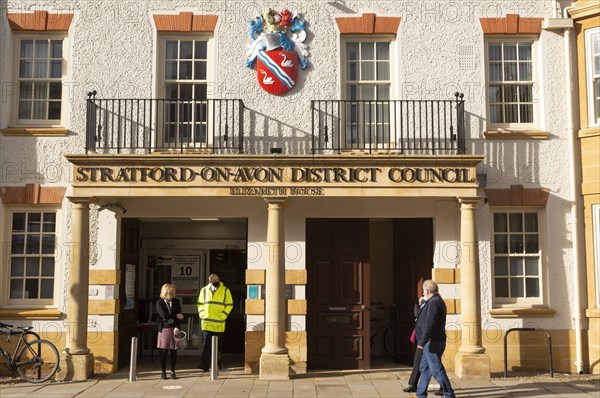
point(11, 329)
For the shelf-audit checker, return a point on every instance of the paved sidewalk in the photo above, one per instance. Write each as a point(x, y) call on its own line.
point(233, 383)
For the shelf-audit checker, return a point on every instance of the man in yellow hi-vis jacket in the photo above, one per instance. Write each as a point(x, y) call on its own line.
point(214, 305)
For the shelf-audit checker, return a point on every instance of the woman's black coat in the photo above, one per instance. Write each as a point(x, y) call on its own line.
point(168, 319)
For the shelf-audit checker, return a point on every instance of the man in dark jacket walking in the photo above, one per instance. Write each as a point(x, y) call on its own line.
point(431, 337)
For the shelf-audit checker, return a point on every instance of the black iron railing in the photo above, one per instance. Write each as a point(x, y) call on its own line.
point(405, 126)
point(148, 125)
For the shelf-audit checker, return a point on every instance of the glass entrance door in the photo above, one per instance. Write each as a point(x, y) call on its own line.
point(187, 272)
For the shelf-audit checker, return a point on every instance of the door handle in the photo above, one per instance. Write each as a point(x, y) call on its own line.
point(364, 307)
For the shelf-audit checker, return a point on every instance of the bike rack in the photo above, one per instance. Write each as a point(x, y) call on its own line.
point(527, 330)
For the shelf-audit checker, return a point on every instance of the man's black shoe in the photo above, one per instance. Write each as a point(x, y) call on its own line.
point(204, 368)
point(439, 392)
point(409, 388)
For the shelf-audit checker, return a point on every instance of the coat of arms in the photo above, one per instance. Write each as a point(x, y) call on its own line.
point(278, 50)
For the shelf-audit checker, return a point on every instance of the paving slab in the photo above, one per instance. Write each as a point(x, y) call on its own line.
point(235, 383)
point(364, 389)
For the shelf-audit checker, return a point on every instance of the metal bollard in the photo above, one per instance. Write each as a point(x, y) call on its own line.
point(133, 360)
point(214, 360)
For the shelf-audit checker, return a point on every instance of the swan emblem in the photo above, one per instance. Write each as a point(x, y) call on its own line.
point(266, 80)
point(287, 63)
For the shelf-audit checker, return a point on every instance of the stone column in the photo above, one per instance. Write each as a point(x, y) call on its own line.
point(76, 360)
point(274, 360)
point(471, 360)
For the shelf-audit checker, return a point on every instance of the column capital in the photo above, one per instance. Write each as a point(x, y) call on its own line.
point(275, 199)
point(81, 199)
point(469, 200)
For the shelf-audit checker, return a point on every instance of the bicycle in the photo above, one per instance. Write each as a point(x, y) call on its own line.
point(36, 361)
point(386, 326)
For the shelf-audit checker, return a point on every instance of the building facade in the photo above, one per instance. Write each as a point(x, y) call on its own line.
point(587, 29)
point(324, 158)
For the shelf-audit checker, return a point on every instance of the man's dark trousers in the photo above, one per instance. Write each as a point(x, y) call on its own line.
point(207, 347)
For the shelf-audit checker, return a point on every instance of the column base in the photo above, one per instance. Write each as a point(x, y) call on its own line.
point(274, 367)
point(75, 367)
point(472, 366)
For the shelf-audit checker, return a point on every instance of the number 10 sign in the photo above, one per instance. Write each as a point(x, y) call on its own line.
point(185, 275)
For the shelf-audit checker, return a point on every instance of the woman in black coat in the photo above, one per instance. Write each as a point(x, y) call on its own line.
point(415, 374)
point(169, 311)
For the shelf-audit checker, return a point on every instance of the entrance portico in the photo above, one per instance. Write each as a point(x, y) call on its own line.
point(281, 181)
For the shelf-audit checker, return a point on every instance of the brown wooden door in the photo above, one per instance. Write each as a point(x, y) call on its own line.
point(338, 293)
point(413, 261)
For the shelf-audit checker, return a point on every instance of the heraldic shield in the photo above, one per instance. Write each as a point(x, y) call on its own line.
point(277, 70)
point(277, 50)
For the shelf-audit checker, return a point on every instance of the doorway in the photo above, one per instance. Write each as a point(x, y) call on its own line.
point(413, 261)
point(183, 252)
point(340, 293)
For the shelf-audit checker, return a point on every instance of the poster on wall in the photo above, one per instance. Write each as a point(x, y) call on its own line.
point(164, 261)
point(186, 275)
point(129, 286)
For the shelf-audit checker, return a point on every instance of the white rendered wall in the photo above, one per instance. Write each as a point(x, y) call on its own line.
point(112, 49)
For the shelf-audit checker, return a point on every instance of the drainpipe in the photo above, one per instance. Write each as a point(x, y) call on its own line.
point(575, 190)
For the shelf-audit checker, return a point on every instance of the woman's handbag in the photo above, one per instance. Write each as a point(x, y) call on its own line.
point(413, 336)
point(181, 340)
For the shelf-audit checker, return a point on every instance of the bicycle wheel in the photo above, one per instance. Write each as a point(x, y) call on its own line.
point(37, 361)
point(388, 342)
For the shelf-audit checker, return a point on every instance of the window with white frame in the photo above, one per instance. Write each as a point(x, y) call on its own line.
point(592, 51)
point(517, 257)
point(367, 86)
point(40, 74)
point(511, 83)
point(186, 110)
point(31, 268)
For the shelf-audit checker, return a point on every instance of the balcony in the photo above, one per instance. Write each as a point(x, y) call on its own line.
point(164, 125)
point(398, 126)
point(216, 126)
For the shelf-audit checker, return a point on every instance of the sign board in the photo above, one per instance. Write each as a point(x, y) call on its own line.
point(129, 286)
point(185, 275)
point(253, 292)
point(101, 292)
